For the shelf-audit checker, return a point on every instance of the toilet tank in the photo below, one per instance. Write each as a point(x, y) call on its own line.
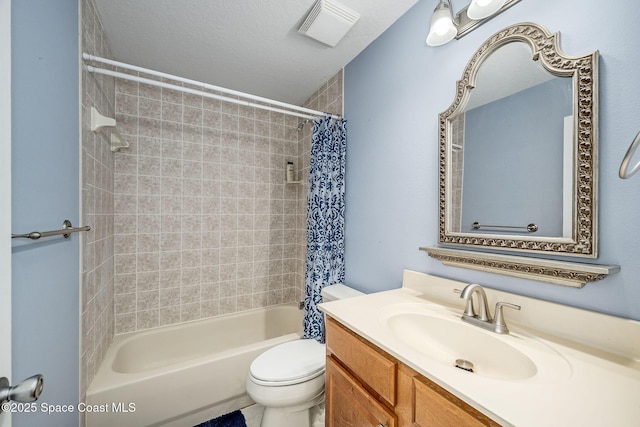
point(338, 291)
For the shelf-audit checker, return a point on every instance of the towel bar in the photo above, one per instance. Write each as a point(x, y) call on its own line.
point(66, 231)
point(624, 173)
point(531, 228)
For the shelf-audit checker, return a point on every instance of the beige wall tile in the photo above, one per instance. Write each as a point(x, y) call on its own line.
point(204, 224)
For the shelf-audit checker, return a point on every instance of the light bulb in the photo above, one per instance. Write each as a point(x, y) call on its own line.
point(442, 29)
point(441, 26)
point(480, 9)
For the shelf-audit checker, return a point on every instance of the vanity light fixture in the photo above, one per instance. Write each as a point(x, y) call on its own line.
point(445, 27)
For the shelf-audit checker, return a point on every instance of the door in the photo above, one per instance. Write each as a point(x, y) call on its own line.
point(5, 196)
point(45, 190)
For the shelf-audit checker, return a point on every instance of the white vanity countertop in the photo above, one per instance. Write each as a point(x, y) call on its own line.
point(598, 388)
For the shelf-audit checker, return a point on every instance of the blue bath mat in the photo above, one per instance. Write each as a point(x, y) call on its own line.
point(232, 419)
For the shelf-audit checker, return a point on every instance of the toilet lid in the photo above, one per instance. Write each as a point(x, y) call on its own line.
point(289, 361)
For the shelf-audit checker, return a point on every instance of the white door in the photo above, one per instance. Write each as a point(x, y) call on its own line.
point(5, 196)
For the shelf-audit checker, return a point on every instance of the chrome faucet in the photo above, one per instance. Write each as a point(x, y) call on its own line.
point(483, 318)
point(469, 312)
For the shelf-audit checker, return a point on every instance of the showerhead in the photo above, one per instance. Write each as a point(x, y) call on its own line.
point(302, 123)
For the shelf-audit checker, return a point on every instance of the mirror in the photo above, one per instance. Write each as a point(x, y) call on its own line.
point(518, 148)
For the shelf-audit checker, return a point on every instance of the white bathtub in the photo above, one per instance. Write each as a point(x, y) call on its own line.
point(185, 374)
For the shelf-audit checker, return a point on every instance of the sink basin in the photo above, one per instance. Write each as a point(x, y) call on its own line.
point(444, 338)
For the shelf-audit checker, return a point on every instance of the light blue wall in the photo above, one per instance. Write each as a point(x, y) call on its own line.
point(394, 91)
point(45, 190)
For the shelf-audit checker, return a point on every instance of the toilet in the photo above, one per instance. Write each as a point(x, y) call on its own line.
point(288, 379)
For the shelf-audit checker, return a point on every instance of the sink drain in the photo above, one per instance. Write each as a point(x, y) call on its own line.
point(465, 365)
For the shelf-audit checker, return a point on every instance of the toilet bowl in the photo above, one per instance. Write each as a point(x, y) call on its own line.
point(288, 379)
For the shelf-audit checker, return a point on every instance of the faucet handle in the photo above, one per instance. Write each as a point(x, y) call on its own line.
point(500, 326)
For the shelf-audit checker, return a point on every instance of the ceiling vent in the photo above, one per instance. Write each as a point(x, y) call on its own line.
point(328, 22)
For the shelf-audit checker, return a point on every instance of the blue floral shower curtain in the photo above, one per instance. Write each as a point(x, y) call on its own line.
point(325, 218)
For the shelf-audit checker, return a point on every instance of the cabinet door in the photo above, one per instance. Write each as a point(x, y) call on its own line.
point(349, 404)
point(435, 407)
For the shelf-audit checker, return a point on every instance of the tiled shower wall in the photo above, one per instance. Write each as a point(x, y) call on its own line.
point(97, 316)
point(204, 223)
point(457, 161)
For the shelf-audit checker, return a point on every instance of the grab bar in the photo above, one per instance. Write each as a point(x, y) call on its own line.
point(531, 228)
point(66, 231)
point(627, 158)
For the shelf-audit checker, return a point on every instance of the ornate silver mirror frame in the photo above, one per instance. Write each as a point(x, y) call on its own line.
point(583, 239)
point(584, 70)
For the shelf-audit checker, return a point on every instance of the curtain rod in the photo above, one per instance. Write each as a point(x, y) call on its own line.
point(298, 111)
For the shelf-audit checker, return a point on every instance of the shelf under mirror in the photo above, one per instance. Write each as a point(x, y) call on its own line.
point(565, 273)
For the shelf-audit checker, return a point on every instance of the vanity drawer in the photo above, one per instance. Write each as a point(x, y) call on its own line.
point(373, 368)
point(349, 404)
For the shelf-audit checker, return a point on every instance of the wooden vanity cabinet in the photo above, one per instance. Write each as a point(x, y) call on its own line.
point(366, 387)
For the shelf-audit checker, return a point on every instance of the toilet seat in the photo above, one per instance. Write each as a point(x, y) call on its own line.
point(289, 363)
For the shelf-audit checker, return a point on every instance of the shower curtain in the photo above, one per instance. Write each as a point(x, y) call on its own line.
point(325, 218)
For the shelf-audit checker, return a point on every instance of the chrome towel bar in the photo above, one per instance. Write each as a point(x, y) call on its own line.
point(531, 228)
point(66, 231)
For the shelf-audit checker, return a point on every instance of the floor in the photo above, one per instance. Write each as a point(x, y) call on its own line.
point(253, 415)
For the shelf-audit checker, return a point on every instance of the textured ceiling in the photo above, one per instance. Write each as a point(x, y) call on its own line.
point(247, 45)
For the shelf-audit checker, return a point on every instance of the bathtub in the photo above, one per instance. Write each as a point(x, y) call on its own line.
point(185, 374)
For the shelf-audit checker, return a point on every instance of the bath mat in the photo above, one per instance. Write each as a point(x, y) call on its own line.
point(232, 419)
